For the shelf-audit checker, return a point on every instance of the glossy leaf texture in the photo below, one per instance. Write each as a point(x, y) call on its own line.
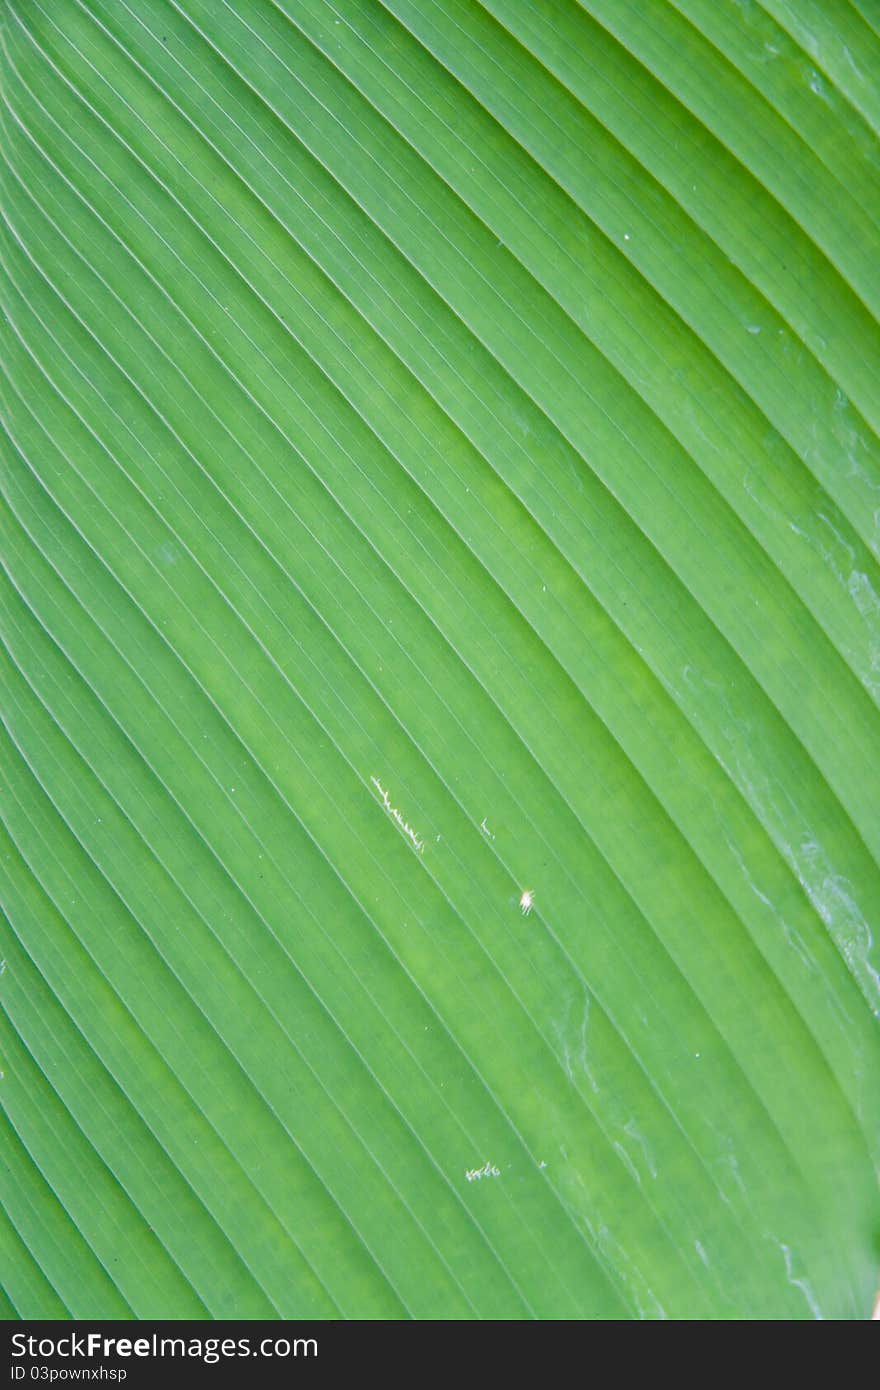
point(440, 464)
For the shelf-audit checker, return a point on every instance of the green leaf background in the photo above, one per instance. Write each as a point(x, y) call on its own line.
point(440, 460)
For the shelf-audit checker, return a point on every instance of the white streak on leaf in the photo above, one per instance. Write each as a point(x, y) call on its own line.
point(802, 1284)
point(395, 815)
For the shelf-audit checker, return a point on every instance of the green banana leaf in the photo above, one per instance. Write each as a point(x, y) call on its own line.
point(441, 623)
